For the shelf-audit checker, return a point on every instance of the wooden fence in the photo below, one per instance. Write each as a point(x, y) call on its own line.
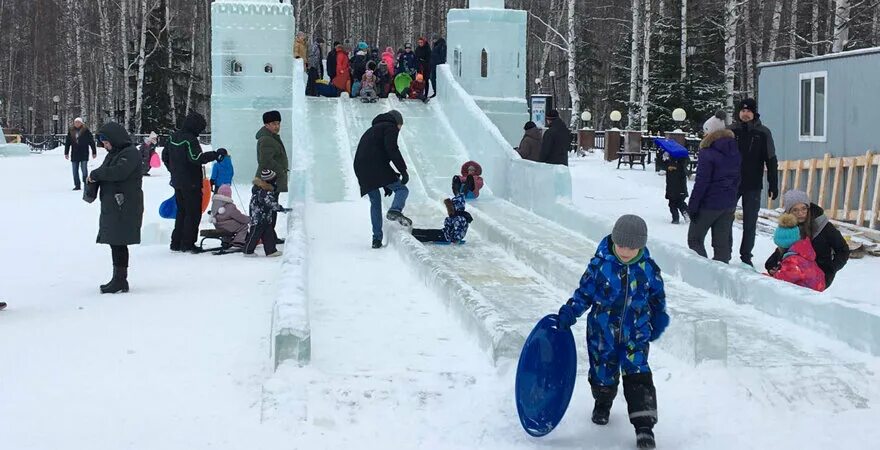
point(848, 188)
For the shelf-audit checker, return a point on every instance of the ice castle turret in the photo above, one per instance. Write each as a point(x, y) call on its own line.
point(252, 72)
point(487, 55)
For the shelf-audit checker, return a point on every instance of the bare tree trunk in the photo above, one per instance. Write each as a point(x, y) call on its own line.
point(328, 15)
point(126, 65)
point(634, 61)
point(548, 35)
point(876, 25)
point(141, 61)
point(646, 69)
point(572, 65)
point(814, 23)
point(379, 24)
point(730, 22)
point(422, 22)
point(750, 58)
point(684, 39)
point(171, 96)
point(106, 60)
point(78, 78)
point(841, 26)
point(774, 29)
point(792, 32)
point(192, 60)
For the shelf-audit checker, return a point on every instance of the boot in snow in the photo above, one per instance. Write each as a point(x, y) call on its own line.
point(397, 216)
point(601, 412)
point(377, 243)
point(2, 306)
point(119, 283)
point(456, 185)
point(645, 438)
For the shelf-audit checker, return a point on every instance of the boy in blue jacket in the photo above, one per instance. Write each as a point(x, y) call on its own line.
point(222, 172)
point(455, 226)
point(623, 290)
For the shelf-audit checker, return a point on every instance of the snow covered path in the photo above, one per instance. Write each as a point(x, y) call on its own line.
point(177, 363)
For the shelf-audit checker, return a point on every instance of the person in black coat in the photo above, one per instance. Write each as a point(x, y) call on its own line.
point(331, 61)
point(676, 185)
point(556, 141)
point(758, 151)
point(438, 56)
point(119, 180)
point(80, 139)
point(184, 159)
point(423, 59)
point(832, 250)
point(376, 149)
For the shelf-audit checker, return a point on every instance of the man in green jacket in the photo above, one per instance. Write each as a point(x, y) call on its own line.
point(271, 154)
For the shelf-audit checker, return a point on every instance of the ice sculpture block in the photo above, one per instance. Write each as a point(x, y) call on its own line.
point(252, 72)
point(12, 149)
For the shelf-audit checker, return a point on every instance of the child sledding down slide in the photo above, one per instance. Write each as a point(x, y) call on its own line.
point(226, 217)
point(368, 87)
point(455, 226)
point(470, 181)
point(798, 263)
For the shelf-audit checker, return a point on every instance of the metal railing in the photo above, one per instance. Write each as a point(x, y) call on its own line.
point(44, 142)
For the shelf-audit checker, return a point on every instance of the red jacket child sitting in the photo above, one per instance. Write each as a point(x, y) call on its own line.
point(470, 181)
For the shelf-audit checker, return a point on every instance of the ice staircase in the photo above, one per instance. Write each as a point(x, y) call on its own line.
point(518, 266)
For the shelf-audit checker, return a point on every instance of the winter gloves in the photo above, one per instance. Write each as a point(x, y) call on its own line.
point(567, 317)
point(773, 192)
point(404, 177)
point(659, 322)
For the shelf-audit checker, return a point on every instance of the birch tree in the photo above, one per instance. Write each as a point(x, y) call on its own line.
point(572, 65)
point(774, 29)
point(730, 25)
point(646, 69)
point(170, 55)
point(634, 61)
point(841, 26)
point(792, 31)
point(749, 56)
point(684, 39)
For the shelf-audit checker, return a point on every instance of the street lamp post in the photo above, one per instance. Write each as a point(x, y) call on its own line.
point(55, 100)
point(679, 115)
point(552, 76)
point(538, 83)
point(30, 120)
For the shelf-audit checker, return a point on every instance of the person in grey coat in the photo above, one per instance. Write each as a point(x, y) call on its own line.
point(119, 181)
point(530, 145)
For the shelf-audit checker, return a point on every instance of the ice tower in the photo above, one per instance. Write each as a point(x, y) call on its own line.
point(488, 58)
point(252, 72)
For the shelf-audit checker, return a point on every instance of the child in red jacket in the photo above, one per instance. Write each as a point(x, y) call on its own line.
point(470, 181)
point(798, 263)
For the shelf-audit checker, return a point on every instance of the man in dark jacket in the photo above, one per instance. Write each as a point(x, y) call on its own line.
point(184, 159)
point(556, 141)
point(438, 56)
point(423, 59)
point(80, 138)
point(120, 180)
point(271, 153)
point(376, 149)
point(713, 199)
point(331, 61)
point(315, 66)
point(756, 146)
point(406, 62)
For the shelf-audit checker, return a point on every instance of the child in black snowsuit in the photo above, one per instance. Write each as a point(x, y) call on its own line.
point(263, 208)
point(676, 185)
point(455, 226)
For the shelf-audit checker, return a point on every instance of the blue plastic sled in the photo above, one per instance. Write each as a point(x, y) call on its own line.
point(674, 149)
point(545, 376)
point(168, 209)
point(461, 242)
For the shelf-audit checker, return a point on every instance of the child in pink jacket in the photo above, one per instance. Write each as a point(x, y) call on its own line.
point(226, 217)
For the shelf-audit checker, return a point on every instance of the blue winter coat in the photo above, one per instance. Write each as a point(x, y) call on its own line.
point(718, 173)
point(264, 202)
point(222, 171)
point(622, 316)
point(455, 227)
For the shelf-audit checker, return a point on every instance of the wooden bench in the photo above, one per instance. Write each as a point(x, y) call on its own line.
point(632, 158)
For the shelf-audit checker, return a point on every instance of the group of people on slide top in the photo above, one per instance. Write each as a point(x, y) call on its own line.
point(369, 73)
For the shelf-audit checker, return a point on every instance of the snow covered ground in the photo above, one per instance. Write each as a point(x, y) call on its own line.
point(598, 186)
point(182, 362)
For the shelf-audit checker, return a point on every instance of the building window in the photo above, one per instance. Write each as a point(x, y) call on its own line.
point(484, 64)
point(456, 62)
point(236, 67)
point(813, 106)
point(268, 68)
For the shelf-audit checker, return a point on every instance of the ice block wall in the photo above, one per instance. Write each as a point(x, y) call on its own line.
point(252, 72)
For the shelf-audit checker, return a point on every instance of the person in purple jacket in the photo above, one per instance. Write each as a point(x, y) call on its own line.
point(713, 199)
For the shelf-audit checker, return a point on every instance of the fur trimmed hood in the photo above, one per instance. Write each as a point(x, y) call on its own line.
point(221, 198)
point(710, 138)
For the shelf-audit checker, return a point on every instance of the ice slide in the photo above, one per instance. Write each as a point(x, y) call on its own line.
point(524, 257)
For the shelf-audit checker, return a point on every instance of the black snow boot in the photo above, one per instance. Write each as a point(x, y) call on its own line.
point(377, 243)
point(604, 396)
point(2, 306)
point(645, 438)
point(119, 283)
point(397, 216)
point(456, 185)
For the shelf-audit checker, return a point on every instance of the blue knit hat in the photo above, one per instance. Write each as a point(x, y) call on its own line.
point(787, 233)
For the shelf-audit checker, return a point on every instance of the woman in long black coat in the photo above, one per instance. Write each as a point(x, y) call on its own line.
point(122, 200)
